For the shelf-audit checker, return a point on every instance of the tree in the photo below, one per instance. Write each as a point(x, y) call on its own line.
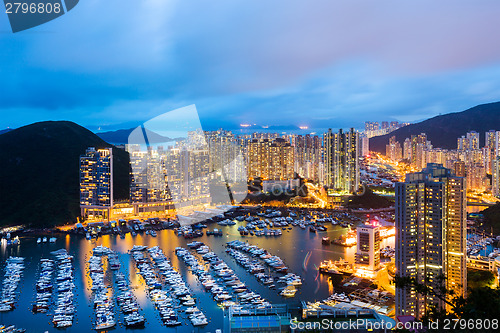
point(481, 302)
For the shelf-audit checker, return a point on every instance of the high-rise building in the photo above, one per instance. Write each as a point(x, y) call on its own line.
point(495, 177)
point(430, 237)
point(365, 145)
point(148, 176)
point(281, 160)
point(341, 158)
point(462, 143)
point(473, 140)
point(418, 144)
point(368, 248)
point(308, 153)
point(393, 150)
point(96, 183)
point(476, 176)
point(270, 160)
point(226, 155)
point(459, 168)
point(188, 175)
point(491, 143)
point(371, 126)
point(407, 149)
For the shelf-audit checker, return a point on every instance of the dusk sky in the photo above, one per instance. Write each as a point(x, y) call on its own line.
point(118, 63)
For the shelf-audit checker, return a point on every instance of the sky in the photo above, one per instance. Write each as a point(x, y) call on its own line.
point(111, 64)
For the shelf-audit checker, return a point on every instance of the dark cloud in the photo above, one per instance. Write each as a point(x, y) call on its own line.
point(280, 62)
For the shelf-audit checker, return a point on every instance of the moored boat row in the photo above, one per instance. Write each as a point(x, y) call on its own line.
point(103, 303)
point(179, 288)
point(44, 286)
point(64, 306)
point(13, 271)
point(276, 264)
point(127, 302)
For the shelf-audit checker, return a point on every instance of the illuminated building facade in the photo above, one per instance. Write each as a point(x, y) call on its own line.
point(368, 248)
point(341, 160)
point(188, 175)
point(393, 150)
point(365, 145)
point(418, 144)
point(148, 176)
point(430, 237)
point(495, 177)
point(225, 150)
point(96, 183)
point(308, 156)
point(270, 159)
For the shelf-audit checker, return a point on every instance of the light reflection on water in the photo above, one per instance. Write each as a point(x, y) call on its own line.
point(293, 247)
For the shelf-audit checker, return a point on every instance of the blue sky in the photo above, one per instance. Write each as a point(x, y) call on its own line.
point(117, 63)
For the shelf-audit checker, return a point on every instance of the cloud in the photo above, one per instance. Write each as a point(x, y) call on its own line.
point(279, 62)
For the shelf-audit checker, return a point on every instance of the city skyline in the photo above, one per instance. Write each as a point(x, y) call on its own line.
point(306, 68)
point(236, 166)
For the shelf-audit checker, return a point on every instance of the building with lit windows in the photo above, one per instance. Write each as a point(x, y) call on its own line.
point(393, 150)
point(495, 177)
point(225, 150)
point(270, 159)
point(430, 237)
point(308, 153)
point(341, 160)
point(368, 250)
point(418, 144)
point(96, 183)
point(148, 177)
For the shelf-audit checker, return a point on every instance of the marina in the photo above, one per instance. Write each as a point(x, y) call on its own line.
point(146, 295)
point(13, 271)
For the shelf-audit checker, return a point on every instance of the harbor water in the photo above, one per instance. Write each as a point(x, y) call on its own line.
point(301, 250)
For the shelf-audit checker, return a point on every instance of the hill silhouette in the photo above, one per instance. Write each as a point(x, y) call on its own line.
point(121, 136)
point(443, 131)
point(39, 172)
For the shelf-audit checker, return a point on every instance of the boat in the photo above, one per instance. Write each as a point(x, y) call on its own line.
point(105, 325)
point(288, 291)
point(44, 240)
point(325, 240)
point(39, 240)
point(339, 267)
point(52, 240)
point(134, 320)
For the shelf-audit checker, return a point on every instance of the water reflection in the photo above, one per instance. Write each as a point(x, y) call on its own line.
point(301, 250)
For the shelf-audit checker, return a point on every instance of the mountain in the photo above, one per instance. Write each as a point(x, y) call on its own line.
point(39, 173)
point(443, 131)
point(121, 136)
point(492, 219)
